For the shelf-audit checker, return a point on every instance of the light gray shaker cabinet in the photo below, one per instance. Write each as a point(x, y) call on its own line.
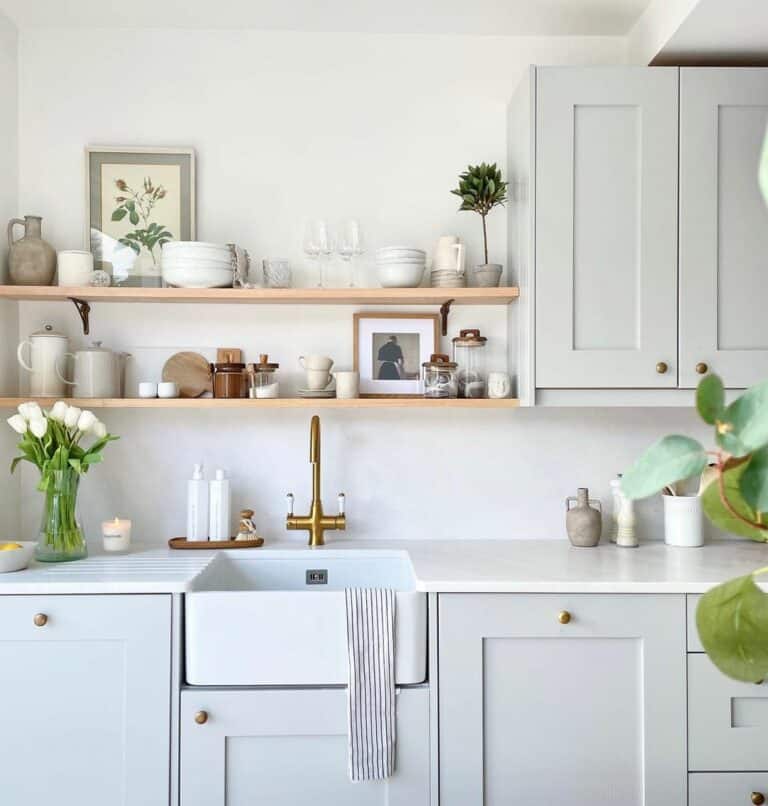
point(86, 686)
point(289, 746)
point(723, 225)
point(606, 142)
point(534, 710)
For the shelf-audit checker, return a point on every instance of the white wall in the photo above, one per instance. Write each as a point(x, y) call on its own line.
point(9, 508)
point(286, 126)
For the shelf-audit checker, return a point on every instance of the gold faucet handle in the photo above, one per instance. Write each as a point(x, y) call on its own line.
point(289, 502)
point(342, 503)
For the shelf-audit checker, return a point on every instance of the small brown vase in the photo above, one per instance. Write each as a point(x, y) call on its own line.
point(584, 521)
point(31, 260)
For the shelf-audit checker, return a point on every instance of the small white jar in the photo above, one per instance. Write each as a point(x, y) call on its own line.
point(683, 521)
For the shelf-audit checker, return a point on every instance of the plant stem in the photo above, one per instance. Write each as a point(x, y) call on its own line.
point(485, 237)
point(727, 504)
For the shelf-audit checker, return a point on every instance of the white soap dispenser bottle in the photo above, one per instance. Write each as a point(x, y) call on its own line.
point(197, 506)
point(220, 507)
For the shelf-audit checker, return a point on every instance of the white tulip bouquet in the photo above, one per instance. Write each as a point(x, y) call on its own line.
point(51, 440)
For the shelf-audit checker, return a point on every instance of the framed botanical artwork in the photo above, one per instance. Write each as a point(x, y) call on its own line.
point(389, 349)
point(137, 199)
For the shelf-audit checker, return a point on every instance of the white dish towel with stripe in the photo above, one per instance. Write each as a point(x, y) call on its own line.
point(371, 699)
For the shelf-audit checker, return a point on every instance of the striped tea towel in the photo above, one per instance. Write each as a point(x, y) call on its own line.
point(371, 700)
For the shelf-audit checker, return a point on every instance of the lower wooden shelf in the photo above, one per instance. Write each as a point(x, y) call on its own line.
point(273, 403)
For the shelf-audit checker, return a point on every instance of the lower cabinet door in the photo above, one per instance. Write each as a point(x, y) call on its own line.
point(86, 697)
point(727, 788)
point(289, 747)
point(562, 699)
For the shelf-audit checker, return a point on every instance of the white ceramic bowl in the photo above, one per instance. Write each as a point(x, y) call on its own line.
point(400, 251)
point(192, 263)
point(383, 260)
point(16, 559)
point(400, 275)
point(187, 249)
point(183, 277)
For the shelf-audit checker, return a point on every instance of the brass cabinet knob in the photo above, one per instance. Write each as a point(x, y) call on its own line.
point(40, 619)
point(662, 367)
point(201, 717)
point(702, 368)
point(563, 616)
point(757, 798)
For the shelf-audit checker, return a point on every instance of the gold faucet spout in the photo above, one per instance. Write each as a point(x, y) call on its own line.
point(316, 523)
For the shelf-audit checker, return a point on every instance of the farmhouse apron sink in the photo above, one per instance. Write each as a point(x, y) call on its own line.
point(278, 618)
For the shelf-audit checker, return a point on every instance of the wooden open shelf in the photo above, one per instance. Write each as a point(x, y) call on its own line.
point(268, 296)
point(273, 403)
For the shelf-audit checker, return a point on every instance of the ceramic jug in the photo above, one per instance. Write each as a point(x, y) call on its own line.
point(98, 372)
point(31, 260)
point(449, 254)
point(584, 521)
point(46, 350)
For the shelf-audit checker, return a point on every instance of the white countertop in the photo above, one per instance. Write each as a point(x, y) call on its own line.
point(466, 566)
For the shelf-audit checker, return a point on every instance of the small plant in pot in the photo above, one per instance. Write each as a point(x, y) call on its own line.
point(481, 188)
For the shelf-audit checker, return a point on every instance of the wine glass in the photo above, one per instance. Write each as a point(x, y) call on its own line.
point(318, 244)
point(350, 245)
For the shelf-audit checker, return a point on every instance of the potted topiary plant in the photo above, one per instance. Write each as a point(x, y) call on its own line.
point(481, 188)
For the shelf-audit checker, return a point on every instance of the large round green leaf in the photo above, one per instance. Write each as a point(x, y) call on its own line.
point(745, 422)
point(666, 461)
point(718, 513)
point(732, 620)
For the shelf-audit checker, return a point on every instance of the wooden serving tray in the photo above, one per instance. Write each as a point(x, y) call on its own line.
point(183, 543)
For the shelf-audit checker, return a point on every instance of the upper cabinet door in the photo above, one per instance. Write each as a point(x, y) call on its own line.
point(723, 225)
point(606, 227)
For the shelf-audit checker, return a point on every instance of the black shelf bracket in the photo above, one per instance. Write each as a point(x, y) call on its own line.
point(84, 309)
point(445, 309)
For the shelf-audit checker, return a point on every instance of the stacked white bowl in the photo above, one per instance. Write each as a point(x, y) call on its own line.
point(400, 266)
point(196, 264)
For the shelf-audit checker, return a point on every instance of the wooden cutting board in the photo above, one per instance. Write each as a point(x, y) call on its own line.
point(190, 371)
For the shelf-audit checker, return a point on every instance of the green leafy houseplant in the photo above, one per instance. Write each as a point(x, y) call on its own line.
point(138, 206)
point(52, 442)
point(481, 188)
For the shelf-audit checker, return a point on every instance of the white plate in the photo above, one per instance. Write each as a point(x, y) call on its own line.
point(16, 559)
point(197, 278)
point(171, 245)
point(400, 251)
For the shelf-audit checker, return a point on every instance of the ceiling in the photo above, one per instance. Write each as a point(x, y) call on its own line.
point(720, 32)
point(484, 17)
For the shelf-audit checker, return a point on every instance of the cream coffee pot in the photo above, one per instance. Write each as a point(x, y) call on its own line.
point(98, 372)
point(46, 349)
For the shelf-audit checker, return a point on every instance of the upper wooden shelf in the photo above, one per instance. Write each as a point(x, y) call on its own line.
point(268, 296)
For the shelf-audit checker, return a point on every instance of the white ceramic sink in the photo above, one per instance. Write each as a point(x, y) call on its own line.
point(255, 619)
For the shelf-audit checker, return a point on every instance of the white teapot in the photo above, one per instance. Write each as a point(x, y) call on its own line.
point(46, 349)
point(98, 372)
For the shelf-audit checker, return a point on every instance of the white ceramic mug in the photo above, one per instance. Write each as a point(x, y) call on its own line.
point(499, 385)
point(315, 362)
point(147, 389)
point(75, 267)
point(347, 385)
point(683, 521)
point(318, 379)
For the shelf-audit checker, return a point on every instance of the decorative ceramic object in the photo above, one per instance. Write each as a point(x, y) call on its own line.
point(487, 275)
point(499, 385)
point(31, 260)
point(75, 267)
point(277, 272)
point(584, 521)
point(683, 520)
point(47, 351)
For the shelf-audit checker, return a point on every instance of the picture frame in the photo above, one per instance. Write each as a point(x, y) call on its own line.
point(389, 349)
point(136, 199)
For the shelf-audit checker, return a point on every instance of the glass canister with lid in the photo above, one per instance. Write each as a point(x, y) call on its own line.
point(439, 377)
point(228, 380)
point(262, 378)
point(469, 354)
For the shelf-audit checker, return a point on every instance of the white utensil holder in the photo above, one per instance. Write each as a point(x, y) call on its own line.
point(683, 521)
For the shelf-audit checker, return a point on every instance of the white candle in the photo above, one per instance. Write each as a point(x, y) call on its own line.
point(116, 534)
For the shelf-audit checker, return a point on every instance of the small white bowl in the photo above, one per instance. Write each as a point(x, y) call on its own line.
point(198, 278)
point(400, 275)
point(400, 251)
point(16, 559)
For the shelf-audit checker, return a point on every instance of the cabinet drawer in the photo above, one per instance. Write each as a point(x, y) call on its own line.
point(727, 720)
point(727, 788)
point(694, 644)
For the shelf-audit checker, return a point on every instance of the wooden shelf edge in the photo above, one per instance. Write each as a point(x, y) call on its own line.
point(268, 296)
point(274, 403)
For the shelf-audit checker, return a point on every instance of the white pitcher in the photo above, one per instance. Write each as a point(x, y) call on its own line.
point(98, 372)
point(449, 254)
point(46, 349)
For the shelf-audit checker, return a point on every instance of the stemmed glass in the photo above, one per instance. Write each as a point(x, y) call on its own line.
point(350, 245)
point(318, 244)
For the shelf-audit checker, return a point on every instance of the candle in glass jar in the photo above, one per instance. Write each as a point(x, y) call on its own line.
point(116, 534)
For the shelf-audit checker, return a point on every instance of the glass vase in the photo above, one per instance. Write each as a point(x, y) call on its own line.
point(61, 537)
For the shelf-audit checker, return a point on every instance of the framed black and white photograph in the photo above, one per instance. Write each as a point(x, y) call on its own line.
point(389, 349)
point(137, 199)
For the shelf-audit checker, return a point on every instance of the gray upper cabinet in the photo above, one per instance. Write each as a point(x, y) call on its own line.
point(723, 225)
point(570, 698)
point(606, 143)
